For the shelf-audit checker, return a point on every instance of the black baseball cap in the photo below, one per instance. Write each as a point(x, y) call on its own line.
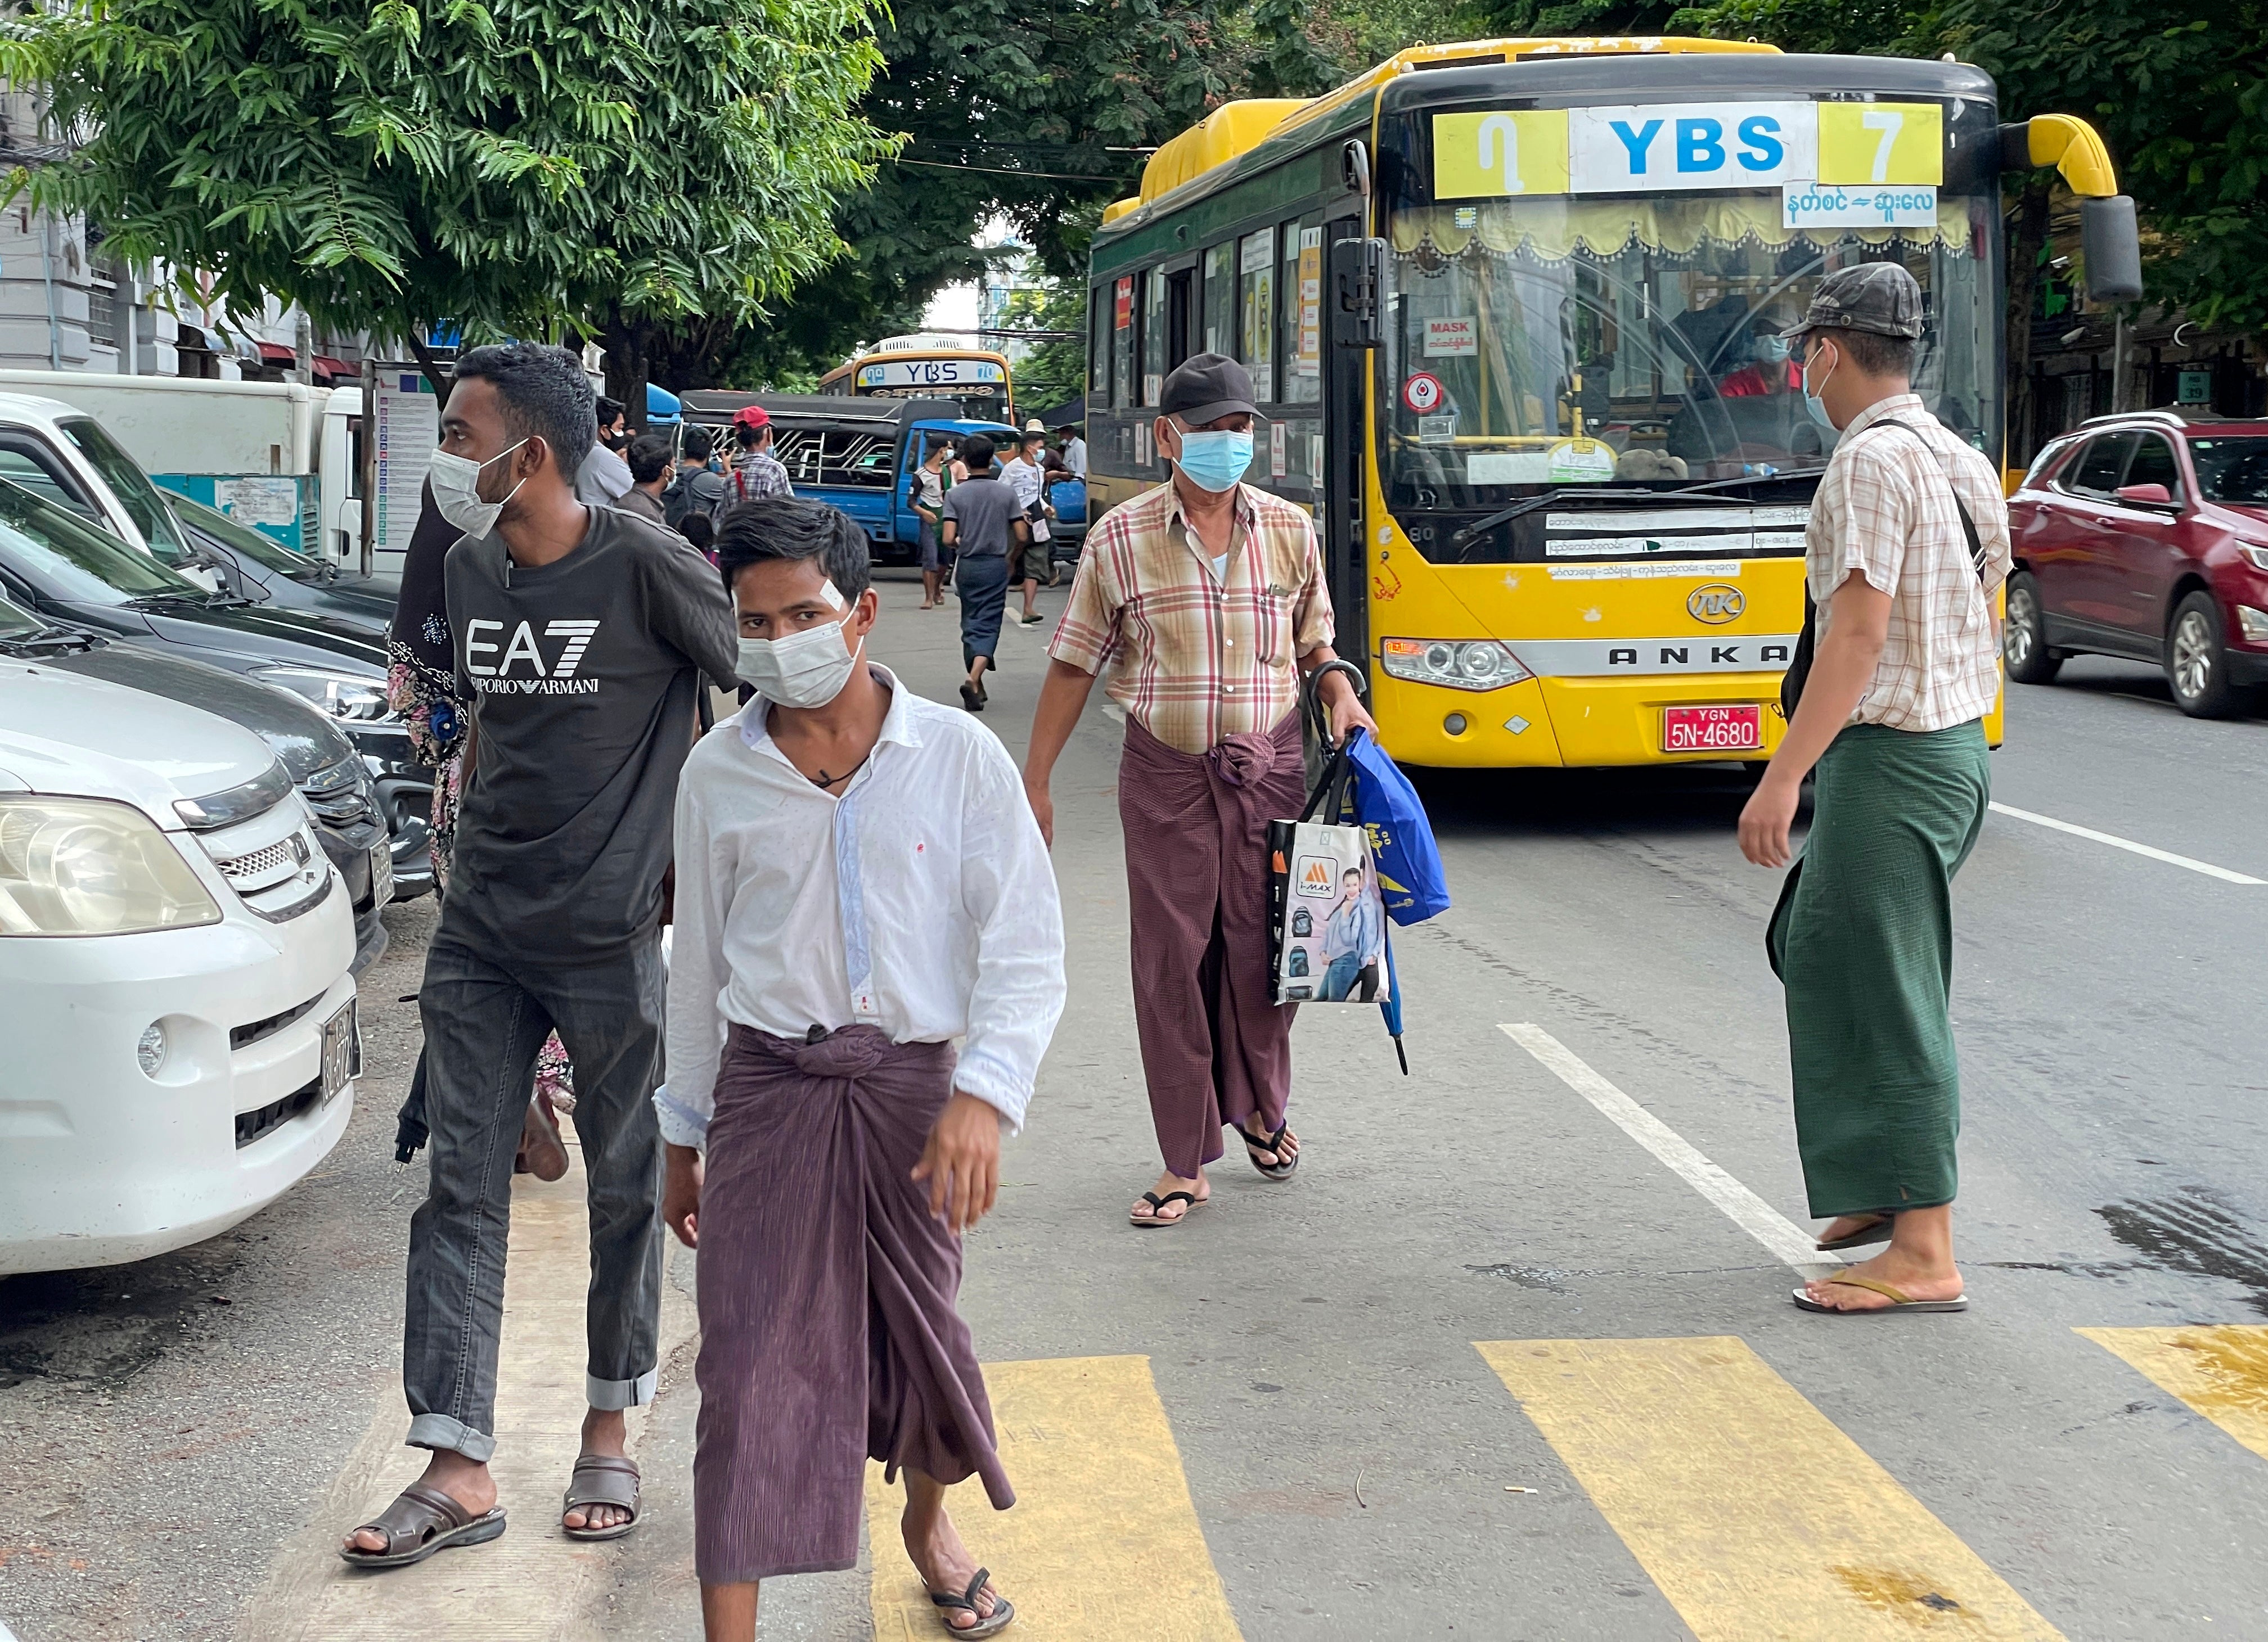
point(1878, 296)
point(1205, 387)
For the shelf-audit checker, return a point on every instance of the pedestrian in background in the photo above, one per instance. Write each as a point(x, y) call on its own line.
point(984, 524)
point(1021, 472)
point(827, 1162)
point(1907, 542)
point(604, 477)
point(1233, 611)
point(756, 471)
point(580, 638)
point(929, 506)
point(1074, 449)
point(649, 464)
point(698, 487)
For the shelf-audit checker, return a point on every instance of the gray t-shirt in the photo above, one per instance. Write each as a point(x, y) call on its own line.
point(581, 678)
point(980, 510)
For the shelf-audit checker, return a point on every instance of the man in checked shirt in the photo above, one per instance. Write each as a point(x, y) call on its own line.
point(1908, 540)
point(1204, 598)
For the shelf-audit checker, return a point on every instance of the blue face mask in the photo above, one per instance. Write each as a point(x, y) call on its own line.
point(1215, 461)
point(1812, 402)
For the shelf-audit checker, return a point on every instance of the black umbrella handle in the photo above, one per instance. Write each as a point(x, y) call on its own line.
point(1312, 698)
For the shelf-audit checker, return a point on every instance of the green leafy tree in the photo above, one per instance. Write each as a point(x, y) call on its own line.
point(613, 171)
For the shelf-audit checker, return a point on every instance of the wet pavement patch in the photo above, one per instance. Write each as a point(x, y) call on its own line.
point(1543, 1278)
point(2195, 1233)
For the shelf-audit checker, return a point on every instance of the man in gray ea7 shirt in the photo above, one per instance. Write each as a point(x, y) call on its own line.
point(582, 636)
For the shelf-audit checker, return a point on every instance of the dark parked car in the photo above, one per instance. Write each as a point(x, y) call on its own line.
point(327, 772)
point(2146, 535)
point(252, 565)
point(66, 571)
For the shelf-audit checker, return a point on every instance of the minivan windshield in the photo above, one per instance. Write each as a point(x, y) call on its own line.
point(131, 486)
point(2232, 470)
point(69, 559)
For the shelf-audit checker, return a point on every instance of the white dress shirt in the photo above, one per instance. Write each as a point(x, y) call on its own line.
point(921, 901)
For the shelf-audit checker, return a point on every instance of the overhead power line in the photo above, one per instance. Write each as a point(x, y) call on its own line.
point(1003, 170)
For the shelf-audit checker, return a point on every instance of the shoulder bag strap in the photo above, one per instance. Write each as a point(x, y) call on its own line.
point(1967, 525)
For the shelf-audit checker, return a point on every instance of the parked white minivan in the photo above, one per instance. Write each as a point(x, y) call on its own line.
point(175, 1001)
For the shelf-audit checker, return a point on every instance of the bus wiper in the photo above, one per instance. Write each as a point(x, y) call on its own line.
point(1521, 508)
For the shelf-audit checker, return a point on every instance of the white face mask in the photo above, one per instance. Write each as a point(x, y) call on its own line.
point(457, 493)
point(804, 669)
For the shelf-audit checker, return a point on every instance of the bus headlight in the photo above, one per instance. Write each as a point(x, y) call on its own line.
point(1454, 664)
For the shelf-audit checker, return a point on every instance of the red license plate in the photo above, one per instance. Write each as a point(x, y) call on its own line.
point(1712, 729)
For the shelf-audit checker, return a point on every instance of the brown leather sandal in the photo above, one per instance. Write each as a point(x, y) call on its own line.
point(542, 1152)
point(602, 1479)
point(420, 1521)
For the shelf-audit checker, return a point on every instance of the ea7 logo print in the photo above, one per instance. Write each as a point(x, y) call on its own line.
point(520, 668)
point(1715, 604)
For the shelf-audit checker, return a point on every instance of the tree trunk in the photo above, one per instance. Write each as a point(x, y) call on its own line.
point(2024, 247)
point(436, 376)
point(627, 342)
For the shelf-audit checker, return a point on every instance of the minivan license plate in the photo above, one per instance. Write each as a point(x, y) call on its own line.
point(381, 873)
point(342, 1052)
point(1712, 729)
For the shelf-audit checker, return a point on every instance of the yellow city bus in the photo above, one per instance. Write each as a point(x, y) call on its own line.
point(926, 367)
point(1512, 311)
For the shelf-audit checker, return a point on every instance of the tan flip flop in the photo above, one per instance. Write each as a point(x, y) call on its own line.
point(1900, 1301)
point(1876, 1230)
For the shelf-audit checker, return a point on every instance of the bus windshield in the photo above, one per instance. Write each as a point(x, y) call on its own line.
point(1635, 339)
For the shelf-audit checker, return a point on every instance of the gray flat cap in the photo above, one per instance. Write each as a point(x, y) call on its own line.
point(1877, 297)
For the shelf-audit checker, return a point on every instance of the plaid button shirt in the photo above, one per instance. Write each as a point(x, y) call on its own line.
point(1885, 509)
point(1194, 657)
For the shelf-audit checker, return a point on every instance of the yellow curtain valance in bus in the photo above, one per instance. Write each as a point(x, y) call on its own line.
point(1555, 228)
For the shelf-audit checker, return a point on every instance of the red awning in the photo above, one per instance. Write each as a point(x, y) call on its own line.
point(276, 354)
point(327, 366)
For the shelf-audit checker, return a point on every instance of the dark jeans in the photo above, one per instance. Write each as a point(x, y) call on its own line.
point(484, 1022)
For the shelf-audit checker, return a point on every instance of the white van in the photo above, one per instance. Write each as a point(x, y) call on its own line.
point(175, 998)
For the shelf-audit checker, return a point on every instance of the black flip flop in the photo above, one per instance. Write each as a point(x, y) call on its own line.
point(1152, 1220)
point(1253, 1148)
point(1877, 1231)
point(992, 1624)
point(970, 698)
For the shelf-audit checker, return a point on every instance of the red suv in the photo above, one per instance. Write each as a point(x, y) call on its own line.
point(2146, 535)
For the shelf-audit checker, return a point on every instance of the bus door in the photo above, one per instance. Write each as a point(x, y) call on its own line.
point(1346, 375)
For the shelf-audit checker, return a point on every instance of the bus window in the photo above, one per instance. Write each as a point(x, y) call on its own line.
point(1098, 351)
point(1257, 293)
point(1218, 300)
point(1180, 291)
point(1299, 336)
point(1153, 335)
point(1122, 342)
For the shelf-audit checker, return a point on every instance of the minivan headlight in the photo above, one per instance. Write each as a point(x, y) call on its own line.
point(87, 867)
point(1456, 664)
point(348, 696)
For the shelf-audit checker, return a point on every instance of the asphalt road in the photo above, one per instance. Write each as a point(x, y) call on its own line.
point(1488, 1366)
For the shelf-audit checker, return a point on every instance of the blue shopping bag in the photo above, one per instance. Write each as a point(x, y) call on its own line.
point(1409, 863)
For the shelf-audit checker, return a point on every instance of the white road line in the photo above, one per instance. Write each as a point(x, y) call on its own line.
point(2168, 856)
point(1743, 1208)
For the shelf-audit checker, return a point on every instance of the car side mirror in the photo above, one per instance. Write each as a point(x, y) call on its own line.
point(2149, 495)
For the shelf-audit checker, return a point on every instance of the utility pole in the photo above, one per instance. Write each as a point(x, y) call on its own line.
point(366, 477)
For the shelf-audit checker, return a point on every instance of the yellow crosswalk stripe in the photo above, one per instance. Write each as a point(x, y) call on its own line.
point(1103, 1542)
point(1755, 1515)
point(2221, 1372)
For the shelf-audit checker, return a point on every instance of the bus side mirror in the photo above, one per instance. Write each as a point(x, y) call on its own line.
point(1357, 284)
point(2112, 248)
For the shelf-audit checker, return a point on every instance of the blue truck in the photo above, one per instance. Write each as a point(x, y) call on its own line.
point(857, 453)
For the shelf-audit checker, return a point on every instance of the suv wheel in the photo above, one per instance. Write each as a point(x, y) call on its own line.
point(2196, 660)
point(2024, 635)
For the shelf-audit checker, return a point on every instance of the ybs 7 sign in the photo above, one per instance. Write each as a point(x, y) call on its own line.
point(1655, 147)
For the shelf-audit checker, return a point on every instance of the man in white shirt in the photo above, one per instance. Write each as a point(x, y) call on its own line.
point(859, 882)
point(1073, 448)
point(1024, 476)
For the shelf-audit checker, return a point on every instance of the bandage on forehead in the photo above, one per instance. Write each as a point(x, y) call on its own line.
point(835, 600)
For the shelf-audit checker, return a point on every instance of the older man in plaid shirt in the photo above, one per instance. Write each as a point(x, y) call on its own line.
point(1907, 543)
point(1204, 601)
